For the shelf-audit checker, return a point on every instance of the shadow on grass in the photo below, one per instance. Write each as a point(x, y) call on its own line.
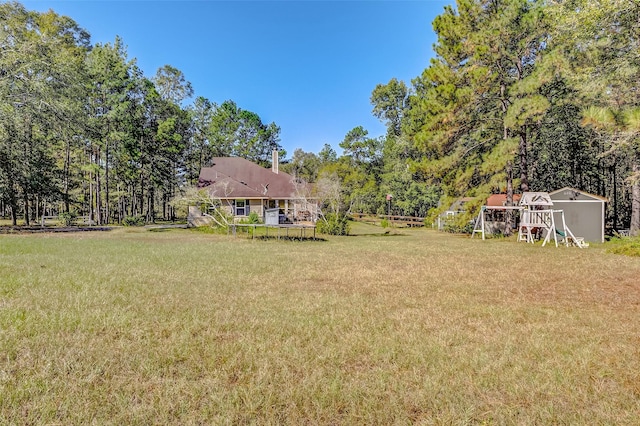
point(40, 229)
point(285, 238)
point(378, 234)
point(165, 227)
point(273, 238)
point(386, 235)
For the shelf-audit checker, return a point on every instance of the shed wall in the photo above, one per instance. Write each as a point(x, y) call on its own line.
point(584, 219)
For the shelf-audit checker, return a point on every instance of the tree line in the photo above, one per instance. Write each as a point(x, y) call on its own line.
point(83, 131)
point(520, 95)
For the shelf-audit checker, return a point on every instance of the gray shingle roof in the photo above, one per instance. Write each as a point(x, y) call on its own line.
point(235, 177)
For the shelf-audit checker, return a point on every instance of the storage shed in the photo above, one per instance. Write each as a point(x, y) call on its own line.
point(584, 213)
point(272, 216)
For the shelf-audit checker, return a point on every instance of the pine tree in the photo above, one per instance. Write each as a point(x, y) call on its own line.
point(601, 43)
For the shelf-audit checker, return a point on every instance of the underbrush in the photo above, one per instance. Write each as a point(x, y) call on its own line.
point(133, 221)
point(210, 230)
point(334, 224)
point(625, 246)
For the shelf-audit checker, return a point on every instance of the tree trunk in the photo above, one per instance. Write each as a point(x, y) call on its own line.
point(66, 173)
point(91, 214)
point(614, 181)
point(164, 206)
point(121, 201)
point(634, 228)
point(132, 202)
point(13, 204)
point(98, 190)
point(524, 175)
point(151, 206)
point(25, 200)
point(106, 181)
point(14, 213)
point(508, 223)
point(508, 214)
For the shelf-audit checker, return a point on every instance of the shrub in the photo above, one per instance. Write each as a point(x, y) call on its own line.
point(210, 230)
point(385, 223)
point(133, 221)
point(334, 224)
point(459, 227)
point(67, 218)
point(254, 218)
point(625, 246)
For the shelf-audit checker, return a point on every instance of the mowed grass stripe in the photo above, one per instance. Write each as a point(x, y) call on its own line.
point(138, 327)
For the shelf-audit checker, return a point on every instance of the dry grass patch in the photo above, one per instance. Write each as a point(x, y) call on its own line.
point(418, 327)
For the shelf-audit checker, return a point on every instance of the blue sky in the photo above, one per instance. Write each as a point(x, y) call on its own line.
point(308, 66)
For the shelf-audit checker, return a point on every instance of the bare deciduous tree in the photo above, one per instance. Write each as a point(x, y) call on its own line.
point(211, 201)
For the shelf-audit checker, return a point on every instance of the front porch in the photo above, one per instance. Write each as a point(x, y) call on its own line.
point(290, 210)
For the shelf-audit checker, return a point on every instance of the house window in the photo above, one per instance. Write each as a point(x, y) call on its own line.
point(242, 208)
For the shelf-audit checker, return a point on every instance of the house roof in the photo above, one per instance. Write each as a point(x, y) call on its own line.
point(235, 177)
point(500, 200)
point(568, 193)
point(458, 205)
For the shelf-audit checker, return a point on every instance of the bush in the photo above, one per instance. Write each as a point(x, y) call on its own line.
point(385, 223)
point(67, 218)
point(459, 228)
point(133, 221)
point(254, 218)
point(210, 230)
point(333, 224)
point(626, 246)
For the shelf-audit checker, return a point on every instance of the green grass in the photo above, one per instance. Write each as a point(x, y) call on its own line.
point(626, 246)
point(414, 326)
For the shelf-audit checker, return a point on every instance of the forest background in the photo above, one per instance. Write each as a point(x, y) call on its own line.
point(521, 95)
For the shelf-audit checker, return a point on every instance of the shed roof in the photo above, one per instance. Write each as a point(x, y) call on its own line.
point(573, 194)
point(499, 200)
point(235, 177)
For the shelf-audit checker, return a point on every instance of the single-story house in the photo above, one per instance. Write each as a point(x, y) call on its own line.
point(244, 187)
point(584, 213)
point(495, 219)
point(500, 200)
point(456, 208)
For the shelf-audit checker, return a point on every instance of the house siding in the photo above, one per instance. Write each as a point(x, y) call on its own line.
point(257, 206)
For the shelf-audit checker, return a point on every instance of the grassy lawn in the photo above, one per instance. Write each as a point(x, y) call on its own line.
point(180, 327)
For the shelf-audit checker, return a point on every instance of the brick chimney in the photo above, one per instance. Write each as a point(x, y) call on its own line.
point(275, 162)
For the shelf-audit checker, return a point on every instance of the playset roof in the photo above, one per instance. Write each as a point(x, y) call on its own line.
point(536, 199)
